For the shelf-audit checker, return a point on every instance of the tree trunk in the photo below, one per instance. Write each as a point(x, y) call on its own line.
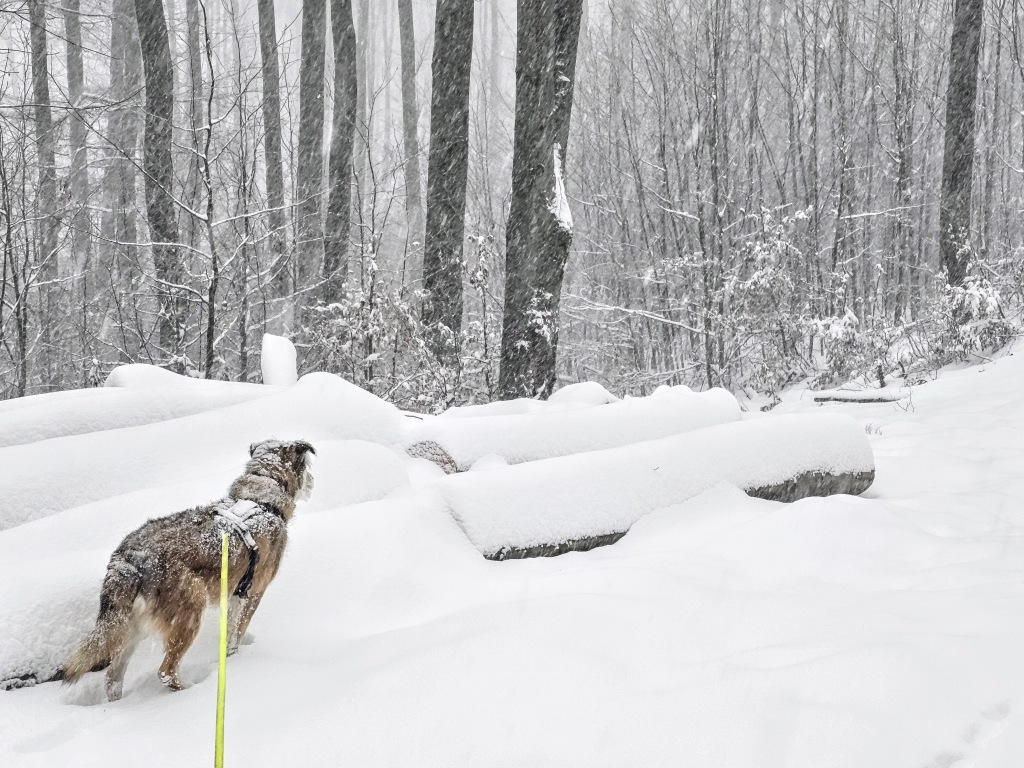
point(361, 156)
point(272, 147)
point(532, 167)
point(343, 130)
point(446, 176)
point(81, 235)
point(958, 160)
point(196, 124)
point(556, 234)
point(410, 124)
point(539, 230)
point(309, 173)
point(117, 224)
point(158, 167)
point(47, 222)
point(903, 126)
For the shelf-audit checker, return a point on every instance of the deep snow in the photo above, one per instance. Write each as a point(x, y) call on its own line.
point(884, 630)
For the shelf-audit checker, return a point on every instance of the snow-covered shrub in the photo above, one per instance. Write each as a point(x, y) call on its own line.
point(764, 321)
point(375, 338)
point(972, 318)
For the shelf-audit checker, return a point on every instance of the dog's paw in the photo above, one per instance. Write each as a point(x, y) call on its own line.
point(171, 681)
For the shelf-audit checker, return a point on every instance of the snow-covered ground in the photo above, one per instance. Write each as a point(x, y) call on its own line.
point(885, 630)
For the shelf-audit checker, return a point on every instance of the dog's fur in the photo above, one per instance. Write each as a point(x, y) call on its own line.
point(165, 573)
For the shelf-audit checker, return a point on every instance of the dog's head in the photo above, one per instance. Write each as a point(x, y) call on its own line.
point(292, 455)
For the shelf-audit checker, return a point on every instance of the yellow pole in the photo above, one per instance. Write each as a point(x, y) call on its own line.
point(218, 759)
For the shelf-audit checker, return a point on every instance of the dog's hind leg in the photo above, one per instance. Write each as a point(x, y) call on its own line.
point(236, 606)
point(180, 628)
point(118, 665)
point(249, 606)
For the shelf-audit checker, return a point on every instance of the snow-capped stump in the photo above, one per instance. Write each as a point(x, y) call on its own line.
point(579, 502)
point(587, 392)
point(435, 454)
point(534, 436)
point(277, 361)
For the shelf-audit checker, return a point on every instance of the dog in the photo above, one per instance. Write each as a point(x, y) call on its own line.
point(164, 574)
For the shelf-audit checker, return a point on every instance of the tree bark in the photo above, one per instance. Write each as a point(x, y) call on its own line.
point(78, 181)
point(410, 125)
point(196, 123)
point(538, 234)
point(48, 223)
point(81, 235)
point(158, 167)
point(532, 168)
point(309, 171)
point(272, 146)
point(556, 234)
point(343, 130)
point(958, 160)
point(117, 224)
point(446, 176)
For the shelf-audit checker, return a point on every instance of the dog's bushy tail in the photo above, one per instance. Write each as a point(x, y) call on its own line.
point(121, 586)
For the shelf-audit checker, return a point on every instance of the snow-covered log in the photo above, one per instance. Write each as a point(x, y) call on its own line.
point(585, 500)
point(107, 463)
point(543, 435)
point(860, 395)
point(134, 395)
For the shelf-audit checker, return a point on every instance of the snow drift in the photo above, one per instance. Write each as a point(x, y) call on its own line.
point(116, 461)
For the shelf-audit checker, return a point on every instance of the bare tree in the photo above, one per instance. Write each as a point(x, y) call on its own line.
point(539, 230)
point(310, 167)
point(159, 170)
point(446, 175)
point(48, 223)
point(343, 130)
point(274, 167)
point(197, 123)
point(958, 157)
point(81, 226)
point(410, 123)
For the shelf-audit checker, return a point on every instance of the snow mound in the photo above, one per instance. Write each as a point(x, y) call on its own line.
point(143, 376)
point(277, 361)
point(586, 392)
point(521, 406)
point(96, 465)
point(604, 492)
point(42, 417)
point(544, 435)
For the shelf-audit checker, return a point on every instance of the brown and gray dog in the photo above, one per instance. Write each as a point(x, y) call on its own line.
point(164, 574)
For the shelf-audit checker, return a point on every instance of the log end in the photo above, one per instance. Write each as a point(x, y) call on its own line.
point(815, 484)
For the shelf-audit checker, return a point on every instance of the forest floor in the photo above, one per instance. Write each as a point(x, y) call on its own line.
point(880, 630)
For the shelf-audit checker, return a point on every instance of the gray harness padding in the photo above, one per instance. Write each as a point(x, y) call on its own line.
point(236, 519)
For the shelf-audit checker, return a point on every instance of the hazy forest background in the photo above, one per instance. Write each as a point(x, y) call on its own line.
point(749, 192)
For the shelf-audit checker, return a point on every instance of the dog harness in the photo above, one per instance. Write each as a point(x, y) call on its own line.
point(236, 519)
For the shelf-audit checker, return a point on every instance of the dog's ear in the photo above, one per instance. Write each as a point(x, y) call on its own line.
point(253, 447)
point(301, 447)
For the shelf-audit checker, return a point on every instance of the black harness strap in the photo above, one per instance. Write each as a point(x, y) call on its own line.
point(250, 571)
point(254, 554)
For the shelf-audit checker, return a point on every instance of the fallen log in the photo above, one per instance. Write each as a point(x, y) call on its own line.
point(575, 503)
point(534, 436)
point(860, 396)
